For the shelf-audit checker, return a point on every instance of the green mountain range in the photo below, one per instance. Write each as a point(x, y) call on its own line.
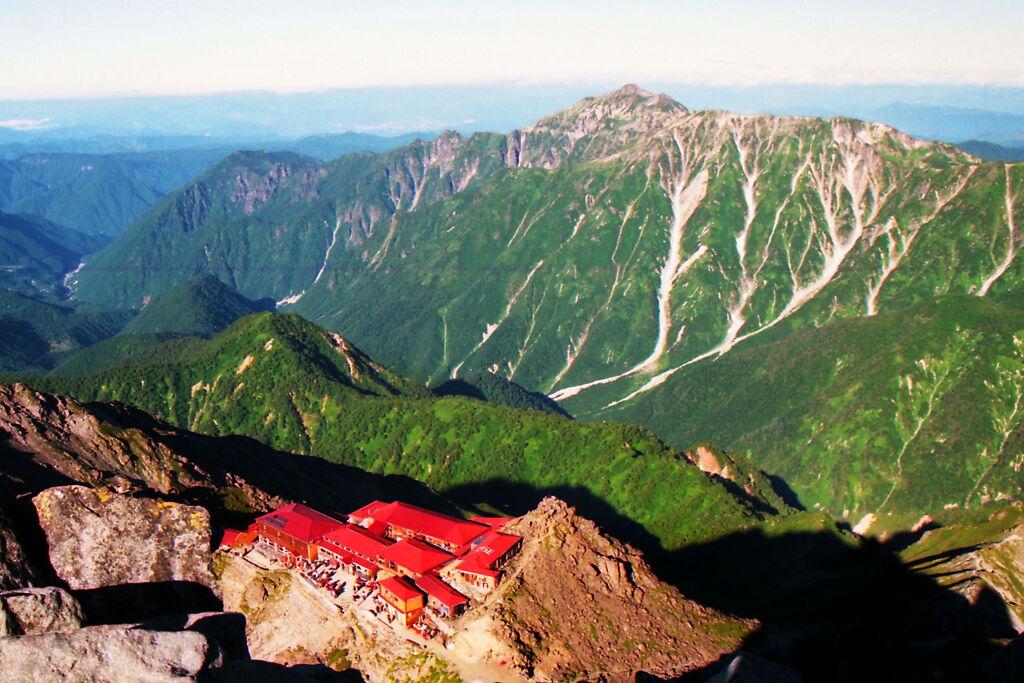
point(36, 336)
point(197, 308)
point(296, 387)
point(612, 250)
point(96, 193)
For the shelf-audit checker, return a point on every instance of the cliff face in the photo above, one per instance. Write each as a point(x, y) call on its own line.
point(977, 561)
point(48, 440)
point(580, 605)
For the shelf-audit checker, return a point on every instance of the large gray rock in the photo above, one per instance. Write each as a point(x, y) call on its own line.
point(98, 539)
point(38, 610)
point(105, 653)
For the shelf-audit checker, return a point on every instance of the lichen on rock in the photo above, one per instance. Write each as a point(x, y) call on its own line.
point(98, 539)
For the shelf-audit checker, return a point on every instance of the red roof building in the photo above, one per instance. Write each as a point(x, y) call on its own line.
point(482, 565)
point(493, 522)
point(356, 541)
point(366, 513)
point(229, 538)
point(409, 521)
point(295, 529)
point(353, 564)
point(414, 557)
point(442, 597)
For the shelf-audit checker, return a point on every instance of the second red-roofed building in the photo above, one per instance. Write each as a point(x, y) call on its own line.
point(359, 550)
point(401, 520)
point(482, 565)
point(295, 529)
point(441, 597)
point(413, 557)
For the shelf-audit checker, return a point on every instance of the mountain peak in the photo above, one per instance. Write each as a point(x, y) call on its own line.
point(630, 89)
point(610, 123)
point(636, 98)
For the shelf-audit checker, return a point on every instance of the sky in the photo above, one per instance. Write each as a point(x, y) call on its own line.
point(74, 48)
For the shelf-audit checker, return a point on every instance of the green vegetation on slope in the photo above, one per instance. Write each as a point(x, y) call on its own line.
point(486, 386)
point(203, 307)
point(98, 194)
point(36, 254)
point(295, 387)
point(903, 412)
point(200, 308)
point(613, 248)
point(36, 335)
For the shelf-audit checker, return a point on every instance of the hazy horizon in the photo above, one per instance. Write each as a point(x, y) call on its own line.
point(114, 48)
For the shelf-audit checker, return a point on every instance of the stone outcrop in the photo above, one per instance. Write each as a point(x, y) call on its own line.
point(578, 604)
point(982, 562)
point(98, 539)
point(38, 610)
point(105, 653)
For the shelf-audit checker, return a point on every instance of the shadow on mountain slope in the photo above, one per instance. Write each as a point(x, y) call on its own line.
point(840, 609)
point(832, 606)
point(516, 499)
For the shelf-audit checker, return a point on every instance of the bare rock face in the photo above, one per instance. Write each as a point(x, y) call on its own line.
point(38, 610)
point(15, 569)
point(104, 653)
point(579, 605)
point(98, 539)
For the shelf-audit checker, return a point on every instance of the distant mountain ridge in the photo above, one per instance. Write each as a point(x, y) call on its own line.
point(198, 308)
point(597, 254)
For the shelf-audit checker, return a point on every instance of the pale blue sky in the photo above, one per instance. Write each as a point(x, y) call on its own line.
point(63, 48)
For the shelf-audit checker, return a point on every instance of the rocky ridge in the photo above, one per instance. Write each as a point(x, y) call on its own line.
point(578, 605)
point(616, 248)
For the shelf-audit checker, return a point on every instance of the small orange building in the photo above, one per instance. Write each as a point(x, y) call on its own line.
point(402, 599)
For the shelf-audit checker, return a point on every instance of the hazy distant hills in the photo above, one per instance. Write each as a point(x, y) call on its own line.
point(103, 193)
point(992, 152)
point(35, 335)
point(96, 193)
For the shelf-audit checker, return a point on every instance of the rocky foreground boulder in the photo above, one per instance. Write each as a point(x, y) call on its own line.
point(38, 610)
point(98, 539)
point(105, 653)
